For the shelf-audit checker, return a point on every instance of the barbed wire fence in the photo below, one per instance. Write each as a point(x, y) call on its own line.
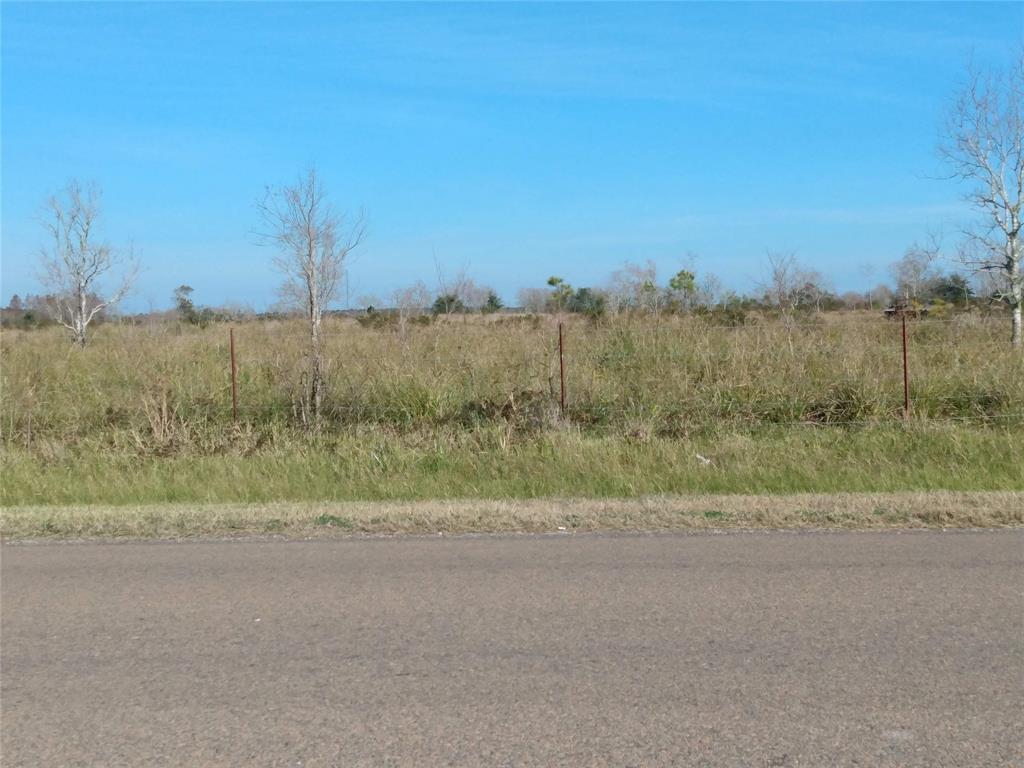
point(584, 411)
point(639, 375)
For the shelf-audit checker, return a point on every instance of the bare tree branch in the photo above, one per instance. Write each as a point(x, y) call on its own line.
point(983, 147)
point(74, 264)
point(312, 241)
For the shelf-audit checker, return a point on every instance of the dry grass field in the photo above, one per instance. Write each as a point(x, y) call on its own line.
point(168, 384)
point(467, 408)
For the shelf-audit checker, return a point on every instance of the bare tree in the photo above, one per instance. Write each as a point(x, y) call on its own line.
point(460, 292)
point(785, 276)
point(75, 263)
point(983, 146)
point(635, 287)
point(474, 295)
point(313, 241)
point(533, 300)
point(710, 291)
point(814, 289)
point(883, 294)
point(868, 270)
point(785, 288)
point(791, 286)
point(410, 302)
point(854, 299)
point(990, 285)
point(916, 270)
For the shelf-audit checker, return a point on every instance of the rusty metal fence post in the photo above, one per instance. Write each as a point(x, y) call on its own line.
point(234, 379)
point(906, 372)
point(561, 366)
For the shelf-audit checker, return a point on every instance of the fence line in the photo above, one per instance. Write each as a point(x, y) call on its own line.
point(694, 322)
point(604, 409)
point(793, 405)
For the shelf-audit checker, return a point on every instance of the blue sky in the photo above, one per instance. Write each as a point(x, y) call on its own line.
point(511, 140)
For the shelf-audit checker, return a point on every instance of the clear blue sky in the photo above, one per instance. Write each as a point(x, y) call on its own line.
point(516, 141)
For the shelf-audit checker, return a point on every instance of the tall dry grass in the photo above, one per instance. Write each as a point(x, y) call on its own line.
point(468, 408)
point(166, 388)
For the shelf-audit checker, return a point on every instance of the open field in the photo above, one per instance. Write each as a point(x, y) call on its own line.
point(165, 388)
point(468, 409)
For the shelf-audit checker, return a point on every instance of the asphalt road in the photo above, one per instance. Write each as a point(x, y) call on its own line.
point(867, 649)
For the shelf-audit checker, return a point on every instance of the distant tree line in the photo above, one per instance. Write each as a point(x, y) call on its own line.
point(788, 289)
point(982, 146)
point(36, 311)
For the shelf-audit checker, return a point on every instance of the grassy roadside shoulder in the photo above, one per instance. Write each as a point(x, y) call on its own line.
point(379, 481)
point(487, 463)
point(935, 509)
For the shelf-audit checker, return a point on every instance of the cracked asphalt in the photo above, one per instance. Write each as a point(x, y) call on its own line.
point(760, 649)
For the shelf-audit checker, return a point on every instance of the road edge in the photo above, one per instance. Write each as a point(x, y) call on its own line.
point(304, 520)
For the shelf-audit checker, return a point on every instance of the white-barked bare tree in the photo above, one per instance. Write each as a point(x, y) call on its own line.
point(983, 147)
point(313, 241)
point(76, 264)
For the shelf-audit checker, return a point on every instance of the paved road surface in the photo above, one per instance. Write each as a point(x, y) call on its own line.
point(709, 650)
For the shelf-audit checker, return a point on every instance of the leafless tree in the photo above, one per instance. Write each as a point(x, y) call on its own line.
point(785, 287)
point(791, 285)
point(814, 289)
point(990, 285)
point(867, 269)
point(410, 302)
point(635, 287)
point(710, 291)
point(369, 302)
point(313, 241)
point(466, 292)
point(983, 146)
point(854, 299)
point(75, 263)
point(474, 295)
point(533, 300)
point(782, 288)
point(916, 269)
point(883, 294)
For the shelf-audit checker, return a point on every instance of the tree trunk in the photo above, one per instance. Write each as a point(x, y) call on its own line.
point(1016, 286)
point(316, 383)
point(79, 319)
point(316, 373)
